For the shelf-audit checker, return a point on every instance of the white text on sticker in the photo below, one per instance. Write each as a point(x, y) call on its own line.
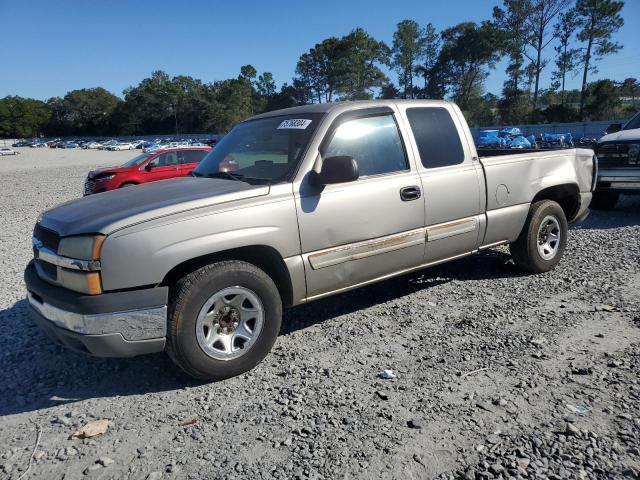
point(297, 123)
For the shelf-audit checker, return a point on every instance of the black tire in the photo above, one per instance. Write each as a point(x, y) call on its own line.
point(128, 184)
point(604, 200)
point(187, 299)
point(524, 250)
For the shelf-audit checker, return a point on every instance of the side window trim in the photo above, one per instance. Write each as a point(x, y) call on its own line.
point(368, 113)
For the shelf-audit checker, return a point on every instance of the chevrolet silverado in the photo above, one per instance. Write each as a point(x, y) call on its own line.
point(291, 206)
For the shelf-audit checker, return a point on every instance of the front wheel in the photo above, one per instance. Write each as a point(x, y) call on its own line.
point(223, 320)
point(543, 238)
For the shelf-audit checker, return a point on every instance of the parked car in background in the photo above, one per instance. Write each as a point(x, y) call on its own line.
point(91, 145)
point(39, 145)
point(107, 144)
point(619, 164)
point(144, 168)
point(326, 198)
point(7, 151)
point(152, 147)
point(121, 146)
point(68, 145)
point(22, 143)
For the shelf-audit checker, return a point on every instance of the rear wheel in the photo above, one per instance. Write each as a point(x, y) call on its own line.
point(223, 320)
point(543, 239)
point(129, 184)
point(604, 200)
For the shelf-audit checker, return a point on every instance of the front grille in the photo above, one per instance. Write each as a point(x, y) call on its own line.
point(49, 238)
point(88, 186)
point(616, 155)
point(49, 270)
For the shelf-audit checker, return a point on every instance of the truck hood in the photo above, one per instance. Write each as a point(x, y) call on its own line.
point(110, 211)
point(622, 136)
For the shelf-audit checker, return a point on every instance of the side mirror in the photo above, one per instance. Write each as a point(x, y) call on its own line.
point(613, 128)
point(335, 170)
point(149, 166)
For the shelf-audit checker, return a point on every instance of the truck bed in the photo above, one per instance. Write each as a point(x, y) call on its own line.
point(516, 178)
point(499, 152)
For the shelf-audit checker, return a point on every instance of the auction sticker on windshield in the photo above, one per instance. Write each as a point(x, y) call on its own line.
point(297, 123)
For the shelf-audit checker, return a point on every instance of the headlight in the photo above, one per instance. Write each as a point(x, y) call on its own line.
point(83, 282)
point(104, 178)
point(81, 247)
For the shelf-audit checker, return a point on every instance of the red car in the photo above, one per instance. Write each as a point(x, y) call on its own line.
point(146, 167)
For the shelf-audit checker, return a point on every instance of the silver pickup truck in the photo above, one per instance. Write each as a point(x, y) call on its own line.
point(289, 207)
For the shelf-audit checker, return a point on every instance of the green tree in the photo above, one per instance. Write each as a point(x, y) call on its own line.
point(513, 20)
point(468, 52)
point(598, 20)
point(22, 117)
point(408, 51)
point(566, 57)
point(602, 100)
point(151, 105)
point(539, 22)
point(265, 85)
point(630, 88)
point(88, 111)
point(362, 57)
point(248, 72)
point(389, 91)
point(344, 68)
point(431, 49)
point(321, 69)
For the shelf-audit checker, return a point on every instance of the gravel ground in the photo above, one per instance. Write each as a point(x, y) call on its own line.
point(499, 374)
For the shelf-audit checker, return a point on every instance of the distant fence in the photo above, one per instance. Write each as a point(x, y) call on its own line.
point(125, 138)
point(580, 129)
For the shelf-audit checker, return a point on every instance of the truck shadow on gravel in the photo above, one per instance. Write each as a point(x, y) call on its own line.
point(37, 373)
point(484, 265)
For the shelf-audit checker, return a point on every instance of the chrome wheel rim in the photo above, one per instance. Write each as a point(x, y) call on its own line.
point(229, 323)
point(549, 237)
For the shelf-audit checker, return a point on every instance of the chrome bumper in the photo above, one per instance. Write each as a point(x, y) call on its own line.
point(133, 325)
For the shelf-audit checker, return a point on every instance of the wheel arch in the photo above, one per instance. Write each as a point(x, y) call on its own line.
point(264, 257)
point(567, 195)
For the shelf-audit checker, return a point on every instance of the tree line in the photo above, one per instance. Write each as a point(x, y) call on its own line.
point(568, 37)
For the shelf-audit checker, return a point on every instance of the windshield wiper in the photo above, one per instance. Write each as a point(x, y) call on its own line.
point(225, 174)
point(193, 173)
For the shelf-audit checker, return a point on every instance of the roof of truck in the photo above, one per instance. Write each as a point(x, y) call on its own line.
point(329, 107)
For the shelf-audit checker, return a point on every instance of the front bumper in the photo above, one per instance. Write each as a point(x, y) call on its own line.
point(119, 324)
point(619, 180)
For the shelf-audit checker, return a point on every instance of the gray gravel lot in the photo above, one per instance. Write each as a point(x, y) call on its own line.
point(499, 374)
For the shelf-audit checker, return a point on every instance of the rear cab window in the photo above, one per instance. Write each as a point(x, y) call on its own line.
point(436, 136)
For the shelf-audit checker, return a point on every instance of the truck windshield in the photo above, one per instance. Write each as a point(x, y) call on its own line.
point(266, 150)
point(633, 123)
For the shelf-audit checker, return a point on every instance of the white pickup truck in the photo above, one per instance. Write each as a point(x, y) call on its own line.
point(291, 206)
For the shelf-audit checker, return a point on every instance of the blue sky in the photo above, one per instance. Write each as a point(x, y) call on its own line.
point(51, 47)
